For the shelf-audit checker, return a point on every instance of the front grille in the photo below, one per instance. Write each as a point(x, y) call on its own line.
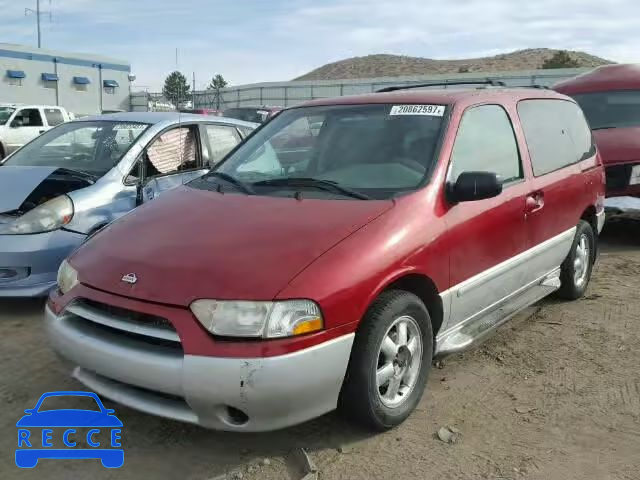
point(129, 315)
point(142, 326)
point(618, 176)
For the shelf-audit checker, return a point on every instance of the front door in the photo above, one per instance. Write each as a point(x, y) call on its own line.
point(173, 158)
point(487, 237)
point(26, 125)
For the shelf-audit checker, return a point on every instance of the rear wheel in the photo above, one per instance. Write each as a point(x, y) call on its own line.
point(576, 270)
point(390, 361)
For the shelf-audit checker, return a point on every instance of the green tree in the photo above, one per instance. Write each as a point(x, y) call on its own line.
point(561, 59)
point(176, 89)
point(217, 82)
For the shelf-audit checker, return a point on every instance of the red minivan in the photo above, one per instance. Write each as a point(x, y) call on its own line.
point(266, 294)
point(610, 99)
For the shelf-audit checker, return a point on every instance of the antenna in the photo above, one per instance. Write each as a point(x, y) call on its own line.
point(38, 13)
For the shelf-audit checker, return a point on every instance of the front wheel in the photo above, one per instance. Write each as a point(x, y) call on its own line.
point(390, 361)
point(575, 271)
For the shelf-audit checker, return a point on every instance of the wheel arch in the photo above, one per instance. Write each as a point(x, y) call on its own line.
point(424, 288)
point(589, 216)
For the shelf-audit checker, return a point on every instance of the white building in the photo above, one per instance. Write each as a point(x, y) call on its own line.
point(83, 84)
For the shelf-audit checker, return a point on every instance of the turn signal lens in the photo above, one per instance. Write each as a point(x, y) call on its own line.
point(308, 326)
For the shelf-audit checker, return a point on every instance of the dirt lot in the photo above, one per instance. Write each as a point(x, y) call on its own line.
point(555, 395)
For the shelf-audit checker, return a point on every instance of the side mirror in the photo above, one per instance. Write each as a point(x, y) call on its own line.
point(29, 411)
point(17, 123)
point(472, 186)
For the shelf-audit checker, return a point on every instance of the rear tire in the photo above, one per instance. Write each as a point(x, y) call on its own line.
point(390, 361)
point(575, 271)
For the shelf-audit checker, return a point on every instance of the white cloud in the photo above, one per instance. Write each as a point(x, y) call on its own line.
point(269, 40)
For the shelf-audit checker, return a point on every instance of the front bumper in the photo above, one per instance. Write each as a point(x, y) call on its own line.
point(39, 257)
point(270, 392)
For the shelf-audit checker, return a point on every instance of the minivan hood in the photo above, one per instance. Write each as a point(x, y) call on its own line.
point(618, 145)
point(17, 183)
point(191, 244)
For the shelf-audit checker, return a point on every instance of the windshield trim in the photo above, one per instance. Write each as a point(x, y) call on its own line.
point(428, 175)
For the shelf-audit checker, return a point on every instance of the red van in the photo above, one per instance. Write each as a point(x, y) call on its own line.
point(610, 99)
point(265, 294)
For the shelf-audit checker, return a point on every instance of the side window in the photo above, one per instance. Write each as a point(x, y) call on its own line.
point(557, 134)
point(245, 131)
point(27, 117)
point(486, 143)
point(222, 140)
point(172, 151)
point(53, 116)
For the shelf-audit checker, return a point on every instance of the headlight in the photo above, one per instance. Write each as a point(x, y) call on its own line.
point(47, 217)
point(67, 277)
point(258, 319)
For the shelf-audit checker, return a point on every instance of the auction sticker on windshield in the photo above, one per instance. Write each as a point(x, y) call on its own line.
point(430, 110)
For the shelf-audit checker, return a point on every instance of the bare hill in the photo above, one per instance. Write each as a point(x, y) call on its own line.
point(384, 65)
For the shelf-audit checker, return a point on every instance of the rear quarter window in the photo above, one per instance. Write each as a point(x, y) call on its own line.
point(557, 134)
point(54, 116)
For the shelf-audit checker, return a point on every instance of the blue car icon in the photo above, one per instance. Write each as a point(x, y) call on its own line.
point(29, 452)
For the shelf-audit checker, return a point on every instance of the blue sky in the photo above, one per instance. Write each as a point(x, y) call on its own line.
point(269, 40)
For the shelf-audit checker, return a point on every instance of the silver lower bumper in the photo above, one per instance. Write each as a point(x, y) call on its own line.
point(272, 392)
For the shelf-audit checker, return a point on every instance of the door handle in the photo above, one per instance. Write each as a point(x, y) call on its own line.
point(533, 203)
point(41, 131)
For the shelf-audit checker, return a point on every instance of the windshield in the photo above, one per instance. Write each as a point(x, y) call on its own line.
point(615, 109)
point(5, 113)
point(90, 147)
point(375, 150)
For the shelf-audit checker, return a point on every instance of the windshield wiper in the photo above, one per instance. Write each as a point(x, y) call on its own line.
point(328, 185)
point(232, 180)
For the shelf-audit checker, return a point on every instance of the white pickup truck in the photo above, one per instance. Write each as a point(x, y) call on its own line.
point(20, 124)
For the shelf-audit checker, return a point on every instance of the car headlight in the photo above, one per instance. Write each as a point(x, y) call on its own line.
point(278, 319)
point(49, 216)
point(67, 277)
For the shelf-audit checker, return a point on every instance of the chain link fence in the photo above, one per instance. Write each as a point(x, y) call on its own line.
point(286, 94)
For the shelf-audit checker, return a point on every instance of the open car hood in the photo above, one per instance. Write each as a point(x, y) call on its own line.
point(190, 244)
point(17, 183)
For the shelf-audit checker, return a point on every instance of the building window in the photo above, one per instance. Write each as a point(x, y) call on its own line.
point(81, 83)
point(110, 86)
point(49, 80)
point(15, 77)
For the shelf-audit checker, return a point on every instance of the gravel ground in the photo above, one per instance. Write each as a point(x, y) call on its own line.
point(554, 396)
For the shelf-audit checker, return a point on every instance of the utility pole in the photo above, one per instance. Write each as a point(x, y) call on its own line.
point(193, 91)
point(38, 13)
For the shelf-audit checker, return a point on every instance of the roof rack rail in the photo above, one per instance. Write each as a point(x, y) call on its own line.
point(492, 83)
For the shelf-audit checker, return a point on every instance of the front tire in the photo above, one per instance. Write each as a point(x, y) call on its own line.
point(575, 271)
point(390, 361)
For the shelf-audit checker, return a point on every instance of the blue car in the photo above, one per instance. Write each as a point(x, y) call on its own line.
point(28, 453)
point(78, 177)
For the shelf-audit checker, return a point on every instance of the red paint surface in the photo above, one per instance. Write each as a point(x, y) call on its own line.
point(191, 244)
point(617, 146)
